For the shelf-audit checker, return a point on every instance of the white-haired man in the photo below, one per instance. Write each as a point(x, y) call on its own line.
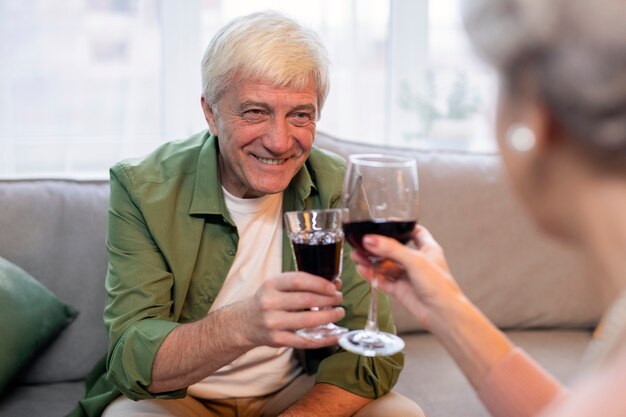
point(201, 315)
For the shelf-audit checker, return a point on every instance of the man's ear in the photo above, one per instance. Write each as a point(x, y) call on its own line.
point(209, 116)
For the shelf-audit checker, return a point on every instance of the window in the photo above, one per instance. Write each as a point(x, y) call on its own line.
point(440, 94)
point(79, 84)
point(85, 83)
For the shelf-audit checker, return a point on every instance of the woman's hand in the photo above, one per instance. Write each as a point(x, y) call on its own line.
point(418, 278)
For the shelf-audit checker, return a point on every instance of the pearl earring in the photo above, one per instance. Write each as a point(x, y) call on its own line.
point(520, 137)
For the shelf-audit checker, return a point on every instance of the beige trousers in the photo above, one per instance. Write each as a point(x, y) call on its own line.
point(392, 404)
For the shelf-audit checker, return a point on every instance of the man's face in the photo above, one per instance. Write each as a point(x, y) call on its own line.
point(265, 135)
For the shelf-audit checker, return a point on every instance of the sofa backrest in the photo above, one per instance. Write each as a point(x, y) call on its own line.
point(513, 272)
point(56, 231)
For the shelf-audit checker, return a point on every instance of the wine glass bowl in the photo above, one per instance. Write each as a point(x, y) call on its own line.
point(381, 195)
point(317, 238)
point(398, 229)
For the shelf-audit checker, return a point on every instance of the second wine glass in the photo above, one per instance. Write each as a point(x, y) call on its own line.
point(381, 195)
point(317, 244)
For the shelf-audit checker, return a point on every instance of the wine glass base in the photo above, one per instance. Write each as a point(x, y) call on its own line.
point(369, 343)
point(321, 332)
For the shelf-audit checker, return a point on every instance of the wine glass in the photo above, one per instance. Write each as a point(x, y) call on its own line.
point(317, 244)
point(381, 195)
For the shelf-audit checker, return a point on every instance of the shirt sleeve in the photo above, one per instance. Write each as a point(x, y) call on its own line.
point(518, 387)
point(138, 313)
point(364, 376)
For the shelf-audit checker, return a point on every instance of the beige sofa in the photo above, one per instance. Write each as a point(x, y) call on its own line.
point(55, 230)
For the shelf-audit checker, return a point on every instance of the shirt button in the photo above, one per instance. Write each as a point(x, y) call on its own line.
point(231, 252)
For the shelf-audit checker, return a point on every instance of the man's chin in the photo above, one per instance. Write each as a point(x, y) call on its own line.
point(263, 182)
point(260, 190)
point(272, 190)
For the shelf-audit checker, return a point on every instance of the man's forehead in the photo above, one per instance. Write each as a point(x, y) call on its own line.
point(261, 90)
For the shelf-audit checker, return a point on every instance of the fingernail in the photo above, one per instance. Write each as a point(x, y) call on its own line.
point(370, 241)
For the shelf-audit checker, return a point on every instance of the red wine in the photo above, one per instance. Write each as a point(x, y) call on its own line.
point(399, 230)
point(322, 259)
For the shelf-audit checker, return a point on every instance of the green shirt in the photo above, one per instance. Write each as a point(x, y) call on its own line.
point(167, 212)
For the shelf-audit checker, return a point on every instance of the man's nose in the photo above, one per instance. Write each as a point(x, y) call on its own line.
point(278, 139)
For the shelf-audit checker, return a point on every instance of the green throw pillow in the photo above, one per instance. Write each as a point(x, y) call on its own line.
point(30, 316)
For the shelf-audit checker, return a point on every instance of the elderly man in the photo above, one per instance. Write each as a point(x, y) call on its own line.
point(200, 315)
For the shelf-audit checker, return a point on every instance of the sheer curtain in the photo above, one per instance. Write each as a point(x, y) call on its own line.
point(84, 83)
point(79, 83)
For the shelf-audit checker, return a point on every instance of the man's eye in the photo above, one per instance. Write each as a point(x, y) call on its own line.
point(254, 114)
point(301, 118)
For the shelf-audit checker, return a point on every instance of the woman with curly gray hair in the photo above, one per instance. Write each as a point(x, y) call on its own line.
point(561, 128)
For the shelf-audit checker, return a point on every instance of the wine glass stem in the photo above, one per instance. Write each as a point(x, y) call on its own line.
point(372, 314)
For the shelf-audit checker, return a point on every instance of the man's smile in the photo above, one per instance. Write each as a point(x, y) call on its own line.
point(270, 161)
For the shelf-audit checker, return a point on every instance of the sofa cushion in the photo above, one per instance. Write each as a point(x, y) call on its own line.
point(434, 381)
point(30, 316)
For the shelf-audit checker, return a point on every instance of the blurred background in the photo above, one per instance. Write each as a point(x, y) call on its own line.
point(84, 83)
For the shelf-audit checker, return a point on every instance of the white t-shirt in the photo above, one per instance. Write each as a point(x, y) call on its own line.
point(264, 369)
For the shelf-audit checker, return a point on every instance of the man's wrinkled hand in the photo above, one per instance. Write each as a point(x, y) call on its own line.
point(282, 305)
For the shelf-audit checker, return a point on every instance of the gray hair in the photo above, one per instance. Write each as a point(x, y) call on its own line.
point(577, 51)
point(265, 45)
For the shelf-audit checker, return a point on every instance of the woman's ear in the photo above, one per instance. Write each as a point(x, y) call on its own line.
point(550, 132)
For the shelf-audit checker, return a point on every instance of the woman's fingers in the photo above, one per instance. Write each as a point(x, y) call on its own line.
point(423, 238)
point(388, 248)
point(391, 269)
